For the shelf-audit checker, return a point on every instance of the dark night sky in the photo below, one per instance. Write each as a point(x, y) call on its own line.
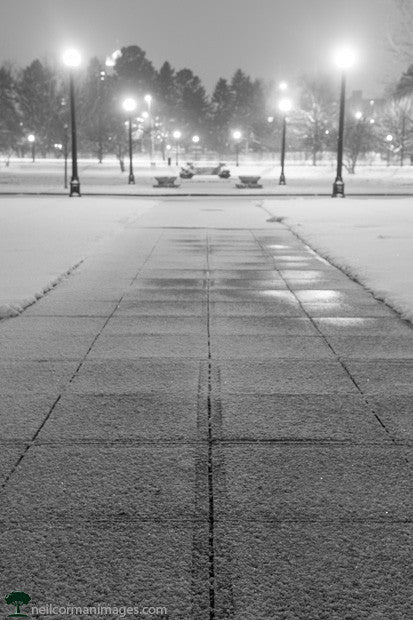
point(278, 39)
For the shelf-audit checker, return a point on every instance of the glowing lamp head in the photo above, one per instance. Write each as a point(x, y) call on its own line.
point(389, 137)
point(129, 104)
point(372, 121)
point(358, 115)
point(195, 139)
point(148, 99)
point(283, 86)
point(31, 138)
point(177, 134)
point(345, 58)
point(237, 134)
point(145, 114)
point(71, 58)
point(285, 105)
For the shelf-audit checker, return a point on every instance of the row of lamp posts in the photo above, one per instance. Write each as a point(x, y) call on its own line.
point(344, 59)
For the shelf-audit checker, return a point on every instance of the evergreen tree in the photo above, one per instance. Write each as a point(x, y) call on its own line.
point(40, 97)
point(9, 116)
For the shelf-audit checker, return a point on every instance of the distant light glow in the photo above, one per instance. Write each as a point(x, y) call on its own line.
point(358, 115)
point(345, 58)
point(148, 99)
point(372, 121)
point(31, 137)
point(285, 105)
point(129, 104)
point(270, 119)
point(177, 134)
point(195, 139)
point(111, 60)
point(72, 58)
point(283, 86)
point(327, 131)
point(145, 114)
point(168, 147)
point(389, 137)
point(58, 146)
point(237, 134)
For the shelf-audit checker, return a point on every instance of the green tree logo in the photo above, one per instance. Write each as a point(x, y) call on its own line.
point(17, 599)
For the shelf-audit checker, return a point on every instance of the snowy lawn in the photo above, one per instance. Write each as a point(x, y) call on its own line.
point(22, 175)
point(41, 239)
point(371, 239)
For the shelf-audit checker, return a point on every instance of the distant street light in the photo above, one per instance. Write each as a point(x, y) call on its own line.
point(283, 86)
point(344, 59)
point(237, 135)
point(31, 138)
point(177, 134)
point(71, 59)
point(129, 105)
point(358, 115)
point(285, 106)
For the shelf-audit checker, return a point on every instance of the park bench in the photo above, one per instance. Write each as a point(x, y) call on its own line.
point(249, 182)
point(166, 182)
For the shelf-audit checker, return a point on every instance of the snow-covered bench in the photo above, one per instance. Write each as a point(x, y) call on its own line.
point(248, 182)
point(166, 182)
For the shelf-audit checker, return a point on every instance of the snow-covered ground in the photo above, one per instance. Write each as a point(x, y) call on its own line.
point(22, 175)
point(42, 239)
point(371, 239)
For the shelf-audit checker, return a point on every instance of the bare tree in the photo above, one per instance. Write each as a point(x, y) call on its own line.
point(400, 33)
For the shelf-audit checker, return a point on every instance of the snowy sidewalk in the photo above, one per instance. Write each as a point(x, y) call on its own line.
point(208, 417)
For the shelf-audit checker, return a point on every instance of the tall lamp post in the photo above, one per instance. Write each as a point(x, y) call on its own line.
point(195, 142)
point(285, 106)
point(129, 105)
point(344, 59)
point(31, 138)
point(237, 135)
point(65, 147)
point(71, 59)
point(389, 140)
point(148, 99)
point(177, 134)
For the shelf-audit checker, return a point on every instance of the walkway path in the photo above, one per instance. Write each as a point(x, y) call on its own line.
point(209, 419)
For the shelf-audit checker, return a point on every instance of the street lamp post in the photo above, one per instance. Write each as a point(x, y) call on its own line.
point(129, 105)
point(65, 149)
point(177, 134)
point(389, 140)
point(148, 99)
point(31, 138)
point(285, 106)
point(195, 142)
point(237, 137)
point(71, 59)
point(344, 60)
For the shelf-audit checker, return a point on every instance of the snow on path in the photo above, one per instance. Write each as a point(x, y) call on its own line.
point(370, 239)
point(42, 239)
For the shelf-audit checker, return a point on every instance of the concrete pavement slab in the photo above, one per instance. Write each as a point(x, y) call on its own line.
point(50, 306)
point(349, 309)
point(123, 418)
point(379, 347)
point(170, 294)
point(129, 307)
point(383, 377)
point(288, 307)
point(150, 346)
point(386, 326)
point(124, 325)
point(275, 325)
point(223, 284)
point(125, 376)
point(9, 455)
point(284, 377)
point(91, 482)
point(396, 412)
point(19, 377)
point(21, 414)
point(327, 571)
point(296, 416)
point(257, 346)
point(115, 564)
point(269, 481)
point(49, 348)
